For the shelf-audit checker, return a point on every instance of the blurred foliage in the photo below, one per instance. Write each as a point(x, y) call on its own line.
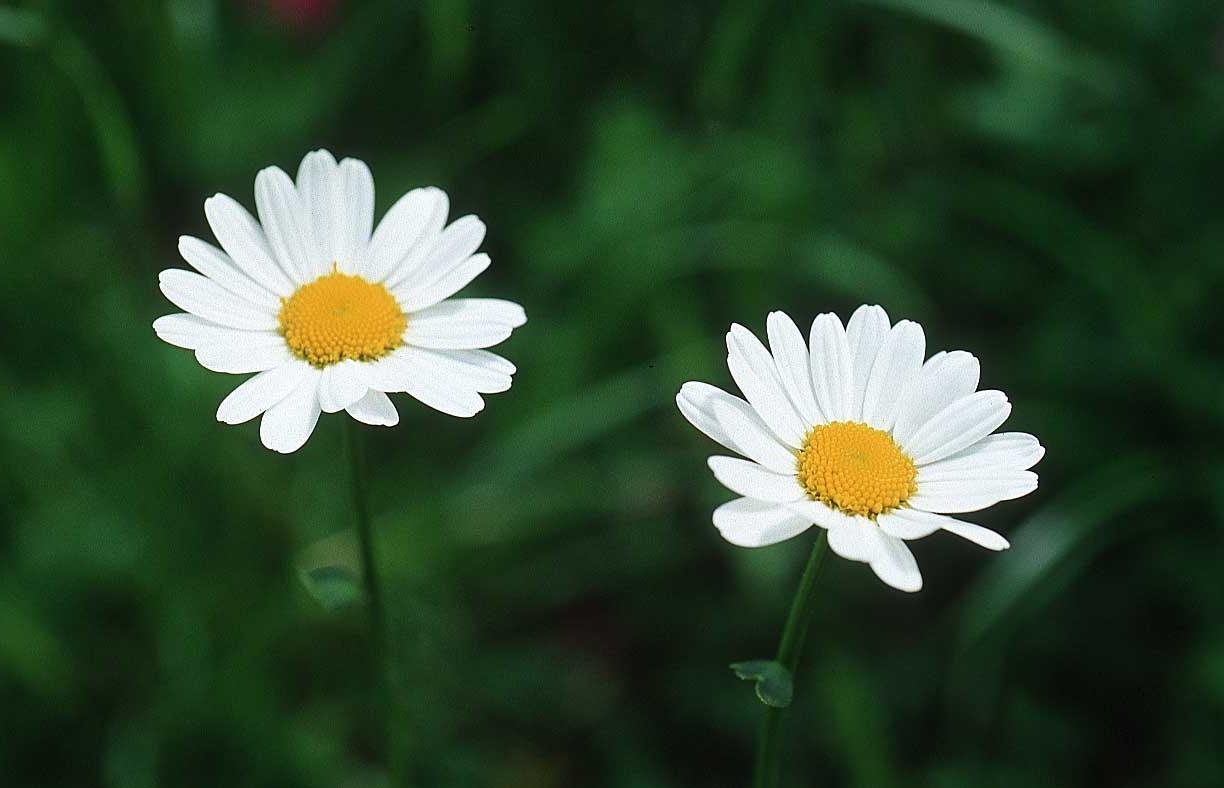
point(1037, 182)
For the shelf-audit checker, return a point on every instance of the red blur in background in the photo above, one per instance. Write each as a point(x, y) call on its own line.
point(300, 15)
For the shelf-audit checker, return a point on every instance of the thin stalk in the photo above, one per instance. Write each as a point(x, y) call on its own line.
point(387, 691)
point(365, 535)
point(355, 449)
point(769, 741)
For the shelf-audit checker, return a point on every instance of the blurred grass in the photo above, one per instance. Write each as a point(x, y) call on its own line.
point(1034, 182)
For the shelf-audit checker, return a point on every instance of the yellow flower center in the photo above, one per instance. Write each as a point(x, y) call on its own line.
point(338, 317)
point(856, 468)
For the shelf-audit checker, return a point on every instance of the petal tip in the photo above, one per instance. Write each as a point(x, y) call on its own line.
point(686, 387)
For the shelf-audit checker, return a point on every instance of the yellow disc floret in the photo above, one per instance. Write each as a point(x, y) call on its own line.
point(338, 317)
point(856, 468)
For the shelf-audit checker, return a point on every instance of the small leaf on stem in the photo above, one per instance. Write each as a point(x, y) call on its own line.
point(330, 569)
point(774, 685)
point(333, 587)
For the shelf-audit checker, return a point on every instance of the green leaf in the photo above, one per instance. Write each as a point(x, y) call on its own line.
point(1058, 541)
point(330, 570)
point(114, 131)
point(21, 28)
point(1000, 27)
point(774, 685)
point(333, 587)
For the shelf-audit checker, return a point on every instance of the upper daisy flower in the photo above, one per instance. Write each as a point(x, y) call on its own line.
point(853, 432)
point(331, 315)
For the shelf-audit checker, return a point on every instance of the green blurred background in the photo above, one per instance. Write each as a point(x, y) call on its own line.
point(1037, 182)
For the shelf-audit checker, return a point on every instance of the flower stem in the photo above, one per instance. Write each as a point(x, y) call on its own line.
point(365, 535)
point(769, 741)
point(387, 692)
point(354, 447)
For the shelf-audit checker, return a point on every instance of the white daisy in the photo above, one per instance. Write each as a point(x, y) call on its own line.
point(853, 432)
point(331, 315)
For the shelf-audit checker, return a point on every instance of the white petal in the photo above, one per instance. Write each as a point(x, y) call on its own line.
point(754, 481)
point(887, 556)
point(951, 497)
point(957, 426)
point(790, 354)
point(754, 372)
point(249, 355)
point(191, 332)
point(983, 537)
point(453, 402)
point(896, 366)
point(490, 361)
point(865, 332)
point(753, 438)
point(357, 192)
point(420, 292)
point(854, 541)
point(262, 392)
point(406, 233)
point(908, 523)
point(832, 368)
point(895, 564)
point(439, 389)
point(287, 226)
point(324, 391)
point(341, 385)
point(374, 408)
point(748, 523)
point(456, 243)
point(464, 323)
point(455, 334)
point(217, 266)
point(912, 524)
point(473, 367)
point(243, 239)
point(1015, 451)
point(732, 422)
point(204, 298)
point(820, 513)
point(316, 187)
point(287, 425)
point(694, 401)
point(945, 378)
point(476, 310)
point(339, 199)
point(937, 472)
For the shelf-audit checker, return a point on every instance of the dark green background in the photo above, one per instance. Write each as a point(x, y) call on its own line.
point(1038, 183)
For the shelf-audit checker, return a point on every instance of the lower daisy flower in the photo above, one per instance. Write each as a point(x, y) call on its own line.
point(331, 315)
point(854, 432)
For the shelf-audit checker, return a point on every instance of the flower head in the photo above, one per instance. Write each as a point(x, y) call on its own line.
point(854, 432)
point(331, 315)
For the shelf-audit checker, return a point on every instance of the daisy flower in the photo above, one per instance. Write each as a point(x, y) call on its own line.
point(330, 315)
point(855, 433)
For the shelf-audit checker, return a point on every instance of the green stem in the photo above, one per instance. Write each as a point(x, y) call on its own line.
point(365, 534)
point(386, 692)
point(354, 448)
point(769, 742)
